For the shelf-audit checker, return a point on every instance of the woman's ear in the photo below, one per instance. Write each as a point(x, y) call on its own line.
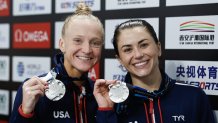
point(123, 67)
point(118, 58)
point(159, 49)
point(62, 45)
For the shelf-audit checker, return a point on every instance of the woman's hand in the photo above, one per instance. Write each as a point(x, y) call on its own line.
point(32, 90)
point(101, 92)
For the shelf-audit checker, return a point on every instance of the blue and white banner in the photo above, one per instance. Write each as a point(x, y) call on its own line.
point(27, 67)
point(202, 74)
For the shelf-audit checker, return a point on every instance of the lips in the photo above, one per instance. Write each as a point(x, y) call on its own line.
point(84, 57)
point(140, 64)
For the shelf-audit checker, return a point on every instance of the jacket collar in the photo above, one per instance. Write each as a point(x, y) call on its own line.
point(166, 84)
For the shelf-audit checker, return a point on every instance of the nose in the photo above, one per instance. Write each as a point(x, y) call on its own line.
point(138, 53)
point(86, 48)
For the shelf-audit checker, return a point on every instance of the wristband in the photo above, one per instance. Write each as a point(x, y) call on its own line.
point(105, 108)
point(25, 115)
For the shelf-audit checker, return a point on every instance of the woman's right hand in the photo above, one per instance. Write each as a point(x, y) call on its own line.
point(32, 90)
point(101, 93)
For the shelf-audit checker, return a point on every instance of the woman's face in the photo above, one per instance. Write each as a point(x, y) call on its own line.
point(81, 45)
point(138, 52)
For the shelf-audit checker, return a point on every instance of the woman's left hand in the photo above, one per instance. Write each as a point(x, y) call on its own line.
point(101, 93)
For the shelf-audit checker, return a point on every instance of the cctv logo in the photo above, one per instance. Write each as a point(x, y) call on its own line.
point(179, 118)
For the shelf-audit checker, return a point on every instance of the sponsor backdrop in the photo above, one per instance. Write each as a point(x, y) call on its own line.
point(187, 29)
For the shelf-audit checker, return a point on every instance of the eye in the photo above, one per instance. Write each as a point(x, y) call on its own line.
point(96, 44)
point(127, 50)
point(143, 45)
point(77, 41)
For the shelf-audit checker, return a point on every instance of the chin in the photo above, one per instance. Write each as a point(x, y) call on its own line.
point(142, 73)
point(85, 69)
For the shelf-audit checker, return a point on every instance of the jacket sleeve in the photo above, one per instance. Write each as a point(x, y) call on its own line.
point(16, 117)
point(207, 115)
point(106, 116)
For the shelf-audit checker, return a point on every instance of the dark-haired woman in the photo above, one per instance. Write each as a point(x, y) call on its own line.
point(156, 97)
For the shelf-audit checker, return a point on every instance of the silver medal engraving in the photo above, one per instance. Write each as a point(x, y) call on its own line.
point(56, 89)
point(118, 92)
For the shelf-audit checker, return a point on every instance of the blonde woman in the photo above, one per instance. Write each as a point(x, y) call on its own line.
point(81, 44)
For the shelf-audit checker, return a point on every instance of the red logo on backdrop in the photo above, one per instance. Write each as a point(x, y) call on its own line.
point(31, 35)
point(4, 8)
point(94, 72)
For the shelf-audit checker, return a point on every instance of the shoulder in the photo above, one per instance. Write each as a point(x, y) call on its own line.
point(189, 89)
point(182, 87)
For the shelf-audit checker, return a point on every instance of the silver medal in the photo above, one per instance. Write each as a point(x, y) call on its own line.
point(56, 89)
point(118, 92)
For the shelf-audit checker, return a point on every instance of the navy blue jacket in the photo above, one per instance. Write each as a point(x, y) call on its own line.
point(172, 103)
point(67, 109)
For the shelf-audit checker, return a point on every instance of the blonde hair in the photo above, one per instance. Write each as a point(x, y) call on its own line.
point(82, 11)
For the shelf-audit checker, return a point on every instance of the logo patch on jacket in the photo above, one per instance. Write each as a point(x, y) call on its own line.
point(61, 114)
point(178, 118)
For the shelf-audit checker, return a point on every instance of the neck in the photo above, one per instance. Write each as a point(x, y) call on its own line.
point(150, 82)
point(74, 73)
point(78, 83)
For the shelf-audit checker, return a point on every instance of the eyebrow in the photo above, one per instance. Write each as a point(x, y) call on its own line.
point(129, 45)
point(81, 36)
point(142, 40)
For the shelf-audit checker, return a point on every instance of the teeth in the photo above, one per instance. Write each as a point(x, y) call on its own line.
point(84, 58)
point(139, 64)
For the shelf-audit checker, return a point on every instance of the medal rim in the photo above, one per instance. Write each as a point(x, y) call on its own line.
point(124, 95)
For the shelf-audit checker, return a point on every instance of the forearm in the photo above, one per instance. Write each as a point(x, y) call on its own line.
point(16, 115)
